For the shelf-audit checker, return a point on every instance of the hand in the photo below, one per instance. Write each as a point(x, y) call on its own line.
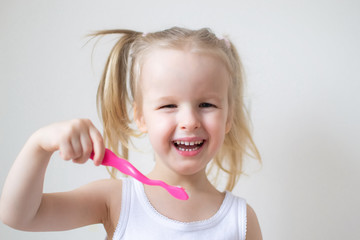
point(75, 139)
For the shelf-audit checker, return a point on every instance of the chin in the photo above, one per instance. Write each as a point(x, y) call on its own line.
point(188, 169)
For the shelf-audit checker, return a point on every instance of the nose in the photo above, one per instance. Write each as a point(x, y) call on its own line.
point(189, 119)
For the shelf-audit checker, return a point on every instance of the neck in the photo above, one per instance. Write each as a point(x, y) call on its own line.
point(197, 182)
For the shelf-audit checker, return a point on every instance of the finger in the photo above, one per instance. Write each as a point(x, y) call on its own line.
point(87, 148)
point(98, 145)
point(66, 150)
point(77, 147)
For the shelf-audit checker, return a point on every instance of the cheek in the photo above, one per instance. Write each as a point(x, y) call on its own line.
point(156, 122)
point(216, 122)
point(159, 129)
point(216, 127)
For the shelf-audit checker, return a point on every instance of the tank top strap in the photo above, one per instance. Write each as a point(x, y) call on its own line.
point(242, 206)
point(125, 208)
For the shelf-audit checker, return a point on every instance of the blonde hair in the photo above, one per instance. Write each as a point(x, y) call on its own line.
point(118, 91)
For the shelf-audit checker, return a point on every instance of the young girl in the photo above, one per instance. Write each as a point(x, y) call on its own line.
point(182, 88)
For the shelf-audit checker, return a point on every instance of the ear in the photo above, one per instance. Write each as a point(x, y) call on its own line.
point(229, 122)
point(228, 126)
point(139, 119)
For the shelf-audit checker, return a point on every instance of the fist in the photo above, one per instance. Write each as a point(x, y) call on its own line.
point(75, 139)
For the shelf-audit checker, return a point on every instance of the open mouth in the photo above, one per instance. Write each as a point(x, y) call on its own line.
point(188, 146)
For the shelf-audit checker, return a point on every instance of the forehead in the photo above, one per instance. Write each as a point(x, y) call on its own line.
point(179, 69)
point(185, 49)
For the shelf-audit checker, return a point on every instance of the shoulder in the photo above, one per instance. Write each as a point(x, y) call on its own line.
point(106, 184)
point(104, 188)
point(253, 228)
point(110, 190)
point(106, 191)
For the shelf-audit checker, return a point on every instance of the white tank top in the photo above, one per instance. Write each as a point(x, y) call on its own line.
point(140, 220)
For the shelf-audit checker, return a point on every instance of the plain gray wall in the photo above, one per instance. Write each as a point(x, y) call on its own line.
point(302, 63)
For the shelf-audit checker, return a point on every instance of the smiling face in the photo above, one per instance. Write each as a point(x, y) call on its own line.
point(184, 108)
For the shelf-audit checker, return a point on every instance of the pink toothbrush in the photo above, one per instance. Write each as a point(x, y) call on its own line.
point(110, 159)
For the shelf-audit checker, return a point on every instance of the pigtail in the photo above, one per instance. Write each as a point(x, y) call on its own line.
point(113, 100)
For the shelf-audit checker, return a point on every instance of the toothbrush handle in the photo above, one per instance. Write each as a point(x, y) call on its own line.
point(124, 166)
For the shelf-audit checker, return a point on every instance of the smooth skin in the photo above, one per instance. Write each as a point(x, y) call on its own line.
point(23, 204)
point(184, 95)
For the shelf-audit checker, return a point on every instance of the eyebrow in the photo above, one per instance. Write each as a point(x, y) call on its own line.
point(206, 96)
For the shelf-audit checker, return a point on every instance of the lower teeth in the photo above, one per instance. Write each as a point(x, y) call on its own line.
point(188, 150)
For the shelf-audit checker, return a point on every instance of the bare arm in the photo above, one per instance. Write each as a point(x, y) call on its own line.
point(23, 204)
point(86, 205)
point(253, 228)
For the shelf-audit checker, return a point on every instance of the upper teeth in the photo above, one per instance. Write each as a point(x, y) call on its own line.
point(189, 143)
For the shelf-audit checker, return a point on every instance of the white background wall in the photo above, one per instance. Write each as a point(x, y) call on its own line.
point(302, 62)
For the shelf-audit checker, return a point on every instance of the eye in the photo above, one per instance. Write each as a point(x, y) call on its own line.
point(168, 106)
point(206, 105)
